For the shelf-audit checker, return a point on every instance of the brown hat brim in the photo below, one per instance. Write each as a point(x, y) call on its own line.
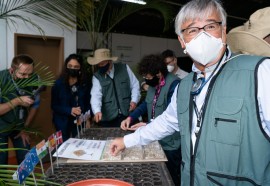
point(248, 43)
point(95, 61)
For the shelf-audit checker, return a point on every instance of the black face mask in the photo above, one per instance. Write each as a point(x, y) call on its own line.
point(22, 81)
point(152, 82)
point(73, 72)
point(104, 69)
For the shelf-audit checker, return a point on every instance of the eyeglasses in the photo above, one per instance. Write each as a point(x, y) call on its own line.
point(193, 31)
point(169, 61)
point(22, 74)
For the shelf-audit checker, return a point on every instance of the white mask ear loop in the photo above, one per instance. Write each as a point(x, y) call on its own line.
point(185, 50)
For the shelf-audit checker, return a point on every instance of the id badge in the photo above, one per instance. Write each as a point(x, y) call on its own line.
point(21, 113)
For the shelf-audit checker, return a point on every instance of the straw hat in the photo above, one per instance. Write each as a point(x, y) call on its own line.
point(100, 55)
point(249, 37)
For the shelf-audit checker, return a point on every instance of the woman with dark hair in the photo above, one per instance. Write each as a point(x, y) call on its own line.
point(70, 97)
point(161, 87)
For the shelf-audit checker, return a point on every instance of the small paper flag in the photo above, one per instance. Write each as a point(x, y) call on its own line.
point(59, 137)
point(27, 165)
point(51, 143)
point(41, 149)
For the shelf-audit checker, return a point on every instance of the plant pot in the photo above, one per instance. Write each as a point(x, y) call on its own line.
point(100, 182)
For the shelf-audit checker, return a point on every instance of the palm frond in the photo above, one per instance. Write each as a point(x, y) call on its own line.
point(116, 15)
point(6, 172)
point(60, 12)
point(42, 77)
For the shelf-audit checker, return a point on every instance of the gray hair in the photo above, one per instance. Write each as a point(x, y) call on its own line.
point(199, 9)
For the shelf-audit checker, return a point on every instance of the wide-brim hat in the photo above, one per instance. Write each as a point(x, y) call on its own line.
point(100, 55)
point(249, 38)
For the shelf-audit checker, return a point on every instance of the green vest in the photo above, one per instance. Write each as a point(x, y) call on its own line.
point(231, 147)
point(115, 91)
point(8, 92)
point(171, 142)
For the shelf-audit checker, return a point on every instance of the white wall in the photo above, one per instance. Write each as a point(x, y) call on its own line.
point(21, 28)
point(3, 44)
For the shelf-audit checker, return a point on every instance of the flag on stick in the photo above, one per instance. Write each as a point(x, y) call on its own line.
point(42, 151)
point(28, 165)
point(51, 145)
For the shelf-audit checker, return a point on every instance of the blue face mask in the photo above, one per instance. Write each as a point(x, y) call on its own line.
point(104, 69)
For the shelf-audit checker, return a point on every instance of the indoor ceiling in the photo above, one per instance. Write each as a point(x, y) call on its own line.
point(150, 22)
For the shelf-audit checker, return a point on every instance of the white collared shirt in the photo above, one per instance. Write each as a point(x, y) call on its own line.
point(96, 91)
point(181, 73)
point(168, 122)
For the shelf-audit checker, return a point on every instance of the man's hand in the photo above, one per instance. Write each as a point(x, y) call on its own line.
point(76, 111)
point(132, 106)
point(25, 138)
point(24, 101)
point(117, 145)
point(98, 116)
point(136, 126)
point(125, 123)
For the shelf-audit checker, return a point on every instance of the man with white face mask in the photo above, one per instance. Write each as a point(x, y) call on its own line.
point(171, 62)
point(221, 109)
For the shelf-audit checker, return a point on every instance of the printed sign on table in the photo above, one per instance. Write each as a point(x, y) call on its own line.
point(81, 149)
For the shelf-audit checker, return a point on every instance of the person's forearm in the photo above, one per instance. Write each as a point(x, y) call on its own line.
point(30, 116)
point(6, 107)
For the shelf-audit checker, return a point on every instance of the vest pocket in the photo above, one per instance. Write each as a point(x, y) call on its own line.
point(224, 179)
point(225, 126)
point(183, 118)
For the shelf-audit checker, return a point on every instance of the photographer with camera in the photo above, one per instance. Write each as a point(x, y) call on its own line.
point(18, 106)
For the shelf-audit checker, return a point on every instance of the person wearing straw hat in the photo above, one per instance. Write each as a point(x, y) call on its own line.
point(221, 109)
point(115, 91)
point(254, 36)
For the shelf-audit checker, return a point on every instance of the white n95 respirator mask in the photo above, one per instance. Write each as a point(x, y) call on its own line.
point(170, 68)
point(204, 48)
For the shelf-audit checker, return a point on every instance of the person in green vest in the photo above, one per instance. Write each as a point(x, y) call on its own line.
point(170, 60)
point(221, 109)
point(17, 107)
point(161, 87)
point(115, 89)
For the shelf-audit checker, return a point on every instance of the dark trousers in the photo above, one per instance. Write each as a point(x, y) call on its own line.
point(173, 164)
point(113, 123)
point(17, 143)
point(68, 129)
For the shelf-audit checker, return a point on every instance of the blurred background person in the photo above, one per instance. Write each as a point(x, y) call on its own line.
point(115, 91)
point(170, 60)
point(161, 87)
point(70, 96)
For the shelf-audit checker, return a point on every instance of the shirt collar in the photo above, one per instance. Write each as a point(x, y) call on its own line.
point(111, 72)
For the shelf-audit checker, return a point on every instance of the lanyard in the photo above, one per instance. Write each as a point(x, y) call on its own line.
point(199, 113)
point(19, 91)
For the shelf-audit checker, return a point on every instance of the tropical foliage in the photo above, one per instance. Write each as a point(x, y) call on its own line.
point(42, 77)
point(102, 12)
point(62, 13)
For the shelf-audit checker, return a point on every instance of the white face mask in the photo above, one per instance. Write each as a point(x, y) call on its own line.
point(204, 48)
point(170, 68)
